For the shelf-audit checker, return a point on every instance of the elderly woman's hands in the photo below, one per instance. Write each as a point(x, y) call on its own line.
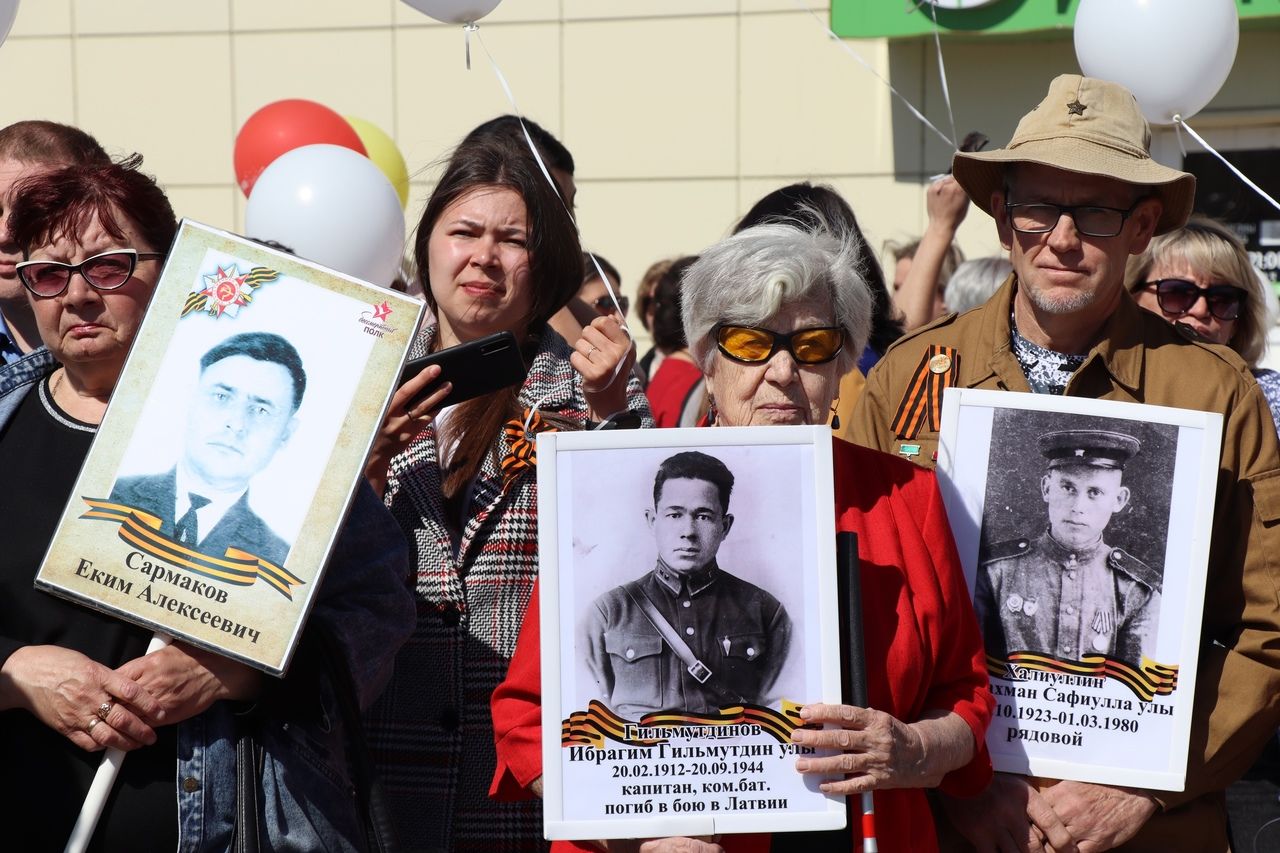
point(408, 415)
point(65, 690)
point(879, 751)
point(185, 680)
point(604, 346)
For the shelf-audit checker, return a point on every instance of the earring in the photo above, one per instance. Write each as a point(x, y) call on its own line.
point(835, 416)
point(711, 410)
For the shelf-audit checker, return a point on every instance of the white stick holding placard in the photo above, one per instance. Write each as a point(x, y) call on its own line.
point(103, 781)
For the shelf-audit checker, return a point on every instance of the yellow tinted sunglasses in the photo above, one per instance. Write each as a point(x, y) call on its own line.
point(752, 345)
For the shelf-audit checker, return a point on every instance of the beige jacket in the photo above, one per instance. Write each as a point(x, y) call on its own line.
point(1143, 359)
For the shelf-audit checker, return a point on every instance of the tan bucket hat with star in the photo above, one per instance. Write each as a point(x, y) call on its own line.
point(1088, 126)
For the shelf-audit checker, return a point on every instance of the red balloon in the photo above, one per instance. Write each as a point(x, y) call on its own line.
point(283, 126)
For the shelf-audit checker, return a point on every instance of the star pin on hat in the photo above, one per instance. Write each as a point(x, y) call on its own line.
point(1094, 448)
point(1086, 126)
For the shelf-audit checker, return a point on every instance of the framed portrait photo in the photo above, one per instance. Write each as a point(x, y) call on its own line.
point(233, 442)
point(688, 610)
point(1084, 529)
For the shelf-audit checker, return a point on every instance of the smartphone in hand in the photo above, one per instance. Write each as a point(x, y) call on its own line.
point(475, 368)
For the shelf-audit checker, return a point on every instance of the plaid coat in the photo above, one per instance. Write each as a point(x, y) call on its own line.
point(431, 732)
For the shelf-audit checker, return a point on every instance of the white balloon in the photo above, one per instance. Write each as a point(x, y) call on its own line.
point(455, 11)
point(1173, 55)
point(8, 12)
point(333, 206)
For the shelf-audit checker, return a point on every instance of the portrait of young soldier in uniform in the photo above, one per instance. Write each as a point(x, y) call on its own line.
point(1066, 591)
point(247, 395)
point(686, 635)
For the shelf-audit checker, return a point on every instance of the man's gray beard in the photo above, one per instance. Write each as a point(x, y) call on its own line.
point(1077, 301)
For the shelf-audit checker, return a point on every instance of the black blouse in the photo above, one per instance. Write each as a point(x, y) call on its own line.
point(43, 776)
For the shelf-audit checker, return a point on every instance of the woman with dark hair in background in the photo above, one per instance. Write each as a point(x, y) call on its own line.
point(496, 251)
point(675, 391)
point(651, 360)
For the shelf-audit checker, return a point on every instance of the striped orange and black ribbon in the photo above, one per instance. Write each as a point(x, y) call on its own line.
point(922, 401)
point(524, 449)
point(1148, 680)
point(237, 567)
point(598, 723)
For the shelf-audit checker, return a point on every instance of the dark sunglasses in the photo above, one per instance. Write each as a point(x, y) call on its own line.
point(105, 271)
point(752, 345)
point(1176, 296)
point(604, 305)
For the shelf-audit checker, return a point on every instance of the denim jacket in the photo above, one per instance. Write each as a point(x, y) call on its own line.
point(308, 800)
point(21, 376)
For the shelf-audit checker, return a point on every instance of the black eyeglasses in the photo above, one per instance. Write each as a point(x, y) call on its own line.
point(752, 345)
point(1090, 220)
point(604, 305)
point(1177, 297)
point(105, 271)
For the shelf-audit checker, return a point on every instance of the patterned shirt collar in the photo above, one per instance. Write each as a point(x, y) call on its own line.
point(697, 580)
point(1047, 372)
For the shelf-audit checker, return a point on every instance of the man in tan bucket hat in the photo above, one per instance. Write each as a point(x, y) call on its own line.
point(1074, 194)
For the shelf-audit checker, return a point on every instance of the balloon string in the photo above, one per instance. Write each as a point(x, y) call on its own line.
point(555, 188)
point(466, 39)
point(1178, 121)
point(845, 47)
point(942, 72)
point(1182, 143)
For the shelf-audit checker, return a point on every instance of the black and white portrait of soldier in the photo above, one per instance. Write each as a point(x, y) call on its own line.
point(244, 410)
point(687, 634)
point(1069, 589)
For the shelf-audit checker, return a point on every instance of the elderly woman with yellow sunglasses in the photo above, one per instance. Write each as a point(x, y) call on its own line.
point(774, 316)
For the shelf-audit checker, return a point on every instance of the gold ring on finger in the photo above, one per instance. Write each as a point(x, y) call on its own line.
point(92, 723)
point(103, 710)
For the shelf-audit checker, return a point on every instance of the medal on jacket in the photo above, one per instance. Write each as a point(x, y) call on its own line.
point(1104, 623)
point(939, 370)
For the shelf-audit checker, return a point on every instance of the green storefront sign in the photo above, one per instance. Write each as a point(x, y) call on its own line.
point(909, 18)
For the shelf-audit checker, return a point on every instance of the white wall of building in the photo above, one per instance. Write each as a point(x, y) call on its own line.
point(680, 113)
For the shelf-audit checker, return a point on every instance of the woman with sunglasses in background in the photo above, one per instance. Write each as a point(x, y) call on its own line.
point(1200, 276)
point(74, 681)
point(774, 316)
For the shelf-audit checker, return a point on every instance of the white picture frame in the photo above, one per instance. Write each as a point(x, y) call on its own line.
point(1111, 700)
point(594, 539)
point(245, 583)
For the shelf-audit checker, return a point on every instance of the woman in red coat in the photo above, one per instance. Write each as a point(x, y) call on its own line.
point(677, 389)
point(775, 315)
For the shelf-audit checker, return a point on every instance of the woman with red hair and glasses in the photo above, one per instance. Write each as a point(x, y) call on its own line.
point(74, 681)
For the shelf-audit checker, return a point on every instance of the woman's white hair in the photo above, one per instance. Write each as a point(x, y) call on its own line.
point(974, 281)
point(748, 278)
